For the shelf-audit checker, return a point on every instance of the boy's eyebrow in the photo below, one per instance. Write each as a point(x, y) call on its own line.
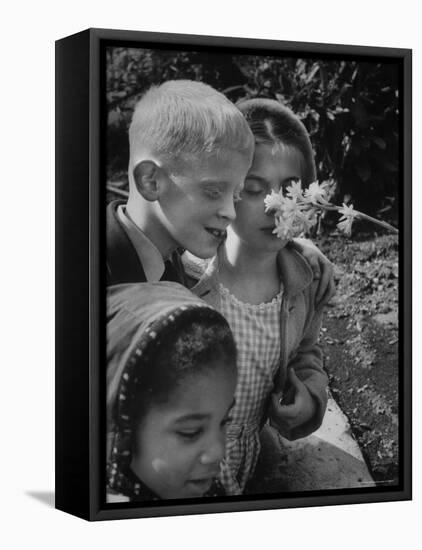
point(212, 182)
point(220, 184)
point(263, 180)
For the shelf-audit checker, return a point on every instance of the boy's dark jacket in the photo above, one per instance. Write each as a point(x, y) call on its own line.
point(123, 264)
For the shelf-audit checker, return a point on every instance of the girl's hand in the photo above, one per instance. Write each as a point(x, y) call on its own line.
point(287, 417)
point(321, 266)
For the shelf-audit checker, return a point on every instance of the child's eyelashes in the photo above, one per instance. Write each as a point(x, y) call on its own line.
point(257, 187)
point(212, 193)
point(254, 187)
point(194, 434)
point(253, 191)
point(215, 194)
point(189, 435)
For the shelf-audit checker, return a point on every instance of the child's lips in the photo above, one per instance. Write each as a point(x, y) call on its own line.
point(201, 485)
point(219, 234)
point(205, 478)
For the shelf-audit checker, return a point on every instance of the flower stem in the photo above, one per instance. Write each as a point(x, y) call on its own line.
point(358, 214)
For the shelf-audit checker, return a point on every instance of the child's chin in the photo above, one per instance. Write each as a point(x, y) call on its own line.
point(205, 253)
point(277, 244)
point(198, 488)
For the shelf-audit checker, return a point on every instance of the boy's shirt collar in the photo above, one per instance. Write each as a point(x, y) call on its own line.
point(148, 254)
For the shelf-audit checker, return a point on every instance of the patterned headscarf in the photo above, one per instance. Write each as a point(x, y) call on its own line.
point(139, 318)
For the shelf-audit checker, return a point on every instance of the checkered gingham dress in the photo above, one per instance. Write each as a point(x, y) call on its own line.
point(256, 329)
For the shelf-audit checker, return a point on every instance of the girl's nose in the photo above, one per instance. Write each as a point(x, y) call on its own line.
point(215, 451)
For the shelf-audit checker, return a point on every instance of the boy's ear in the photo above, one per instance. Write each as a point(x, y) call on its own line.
point(146, 174)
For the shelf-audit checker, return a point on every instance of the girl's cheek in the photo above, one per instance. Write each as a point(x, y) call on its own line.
point(245, 205)
point(160, 466)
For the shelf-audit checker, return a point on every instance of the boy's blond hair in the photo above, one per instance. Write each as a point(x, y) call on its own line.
point(181, 119)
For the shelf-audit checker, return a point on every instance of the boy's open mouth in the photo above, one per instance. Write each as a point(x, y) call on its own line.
point(219, 234)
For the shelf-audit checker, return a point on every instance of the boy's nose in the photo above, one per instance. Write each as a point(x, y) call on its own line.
point(227, 209)
point(215, 451)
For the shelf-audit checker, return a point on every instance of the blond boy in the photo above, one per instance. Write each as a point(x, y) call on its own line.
point(190, 150)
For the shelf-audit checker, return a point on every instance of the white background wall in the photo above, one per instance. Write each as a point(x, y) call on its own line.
point(27, 280)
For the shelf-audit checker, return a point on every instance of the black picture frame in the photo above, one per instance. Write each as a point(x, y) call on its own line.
point(80, 279)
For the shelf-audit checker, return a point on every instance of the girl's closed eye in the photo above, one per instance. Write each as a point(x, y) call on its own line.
point(254, 188)
point(189, 434)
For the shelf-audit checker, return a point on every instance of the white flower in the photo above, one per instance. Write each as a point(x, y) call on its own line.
point(346, 220)
point(294, 191)
point(316, 193)
point(345, 226)
point(347, 211)
point(290, 207)
point(283, 228)
point(308, 219)
point(273, 201)
point(293, 215)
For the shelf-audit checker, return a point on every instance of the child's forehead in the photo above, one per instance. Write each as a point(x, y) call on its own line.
point(194, 390)
point(278, 152)
point(278, 161)
point(209, 165)
point(278, 148)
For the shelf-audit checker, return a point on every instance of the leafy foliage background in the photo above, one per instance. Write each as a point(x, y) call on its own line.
point(350, 108)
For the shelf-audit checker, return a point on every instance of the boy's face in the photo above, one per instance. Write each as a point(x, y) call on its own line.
point(181, 443)
point(273, 168)
point(197, 203)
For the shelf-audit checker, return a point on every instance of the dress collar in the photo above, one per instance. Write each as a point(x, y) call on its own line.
point(295, 272)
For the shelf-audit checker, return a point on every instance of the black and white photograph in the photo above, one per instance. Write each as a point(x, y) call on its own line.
point(245, 309)
point(253, 207)
point(210, 238)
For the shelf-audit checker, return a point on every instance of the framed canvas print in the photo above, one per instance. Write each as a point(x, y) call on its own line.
point(233, 274)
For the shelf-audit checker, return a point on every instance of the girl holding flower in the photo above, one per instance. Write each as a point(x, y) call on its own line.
point(264, 287)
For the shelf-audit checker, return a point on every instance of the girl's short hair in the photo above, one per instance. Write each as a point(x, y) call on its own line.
point(180, 118)
point(272, 122)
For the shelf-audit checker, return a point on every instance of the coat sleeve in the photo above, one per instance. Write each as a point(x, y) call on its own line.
point(307, 362)
point(308, 365)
